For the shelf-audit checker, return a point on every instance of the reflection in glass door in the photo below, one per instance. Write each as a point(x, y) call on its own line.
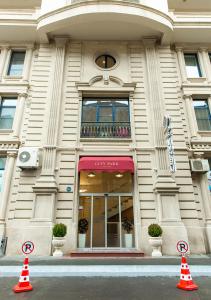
point(113, 221)
point(106, 214)
point(98, 235)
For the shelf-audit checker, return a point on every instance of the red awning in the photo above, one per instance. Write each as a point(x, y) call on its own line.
point(106, 164)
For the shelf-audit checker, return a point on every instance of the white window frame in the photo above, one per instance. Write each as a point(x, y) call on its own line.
point(13, 97)
point(9, 62)
point(208, 99)
point(199, 65)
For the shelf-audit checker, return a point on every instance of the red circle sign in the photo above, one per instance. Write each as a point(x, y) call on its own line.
point(182, 247)
point(27, 247)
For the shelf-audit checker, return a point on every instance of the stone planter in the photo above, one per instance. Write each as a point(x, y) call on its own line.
point(81, 240)
point(58, 243)
point(156, 243)
point(128, 240)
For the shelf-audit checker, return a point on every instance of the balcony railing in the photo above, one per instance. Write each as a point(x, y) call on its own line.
point(105, 130)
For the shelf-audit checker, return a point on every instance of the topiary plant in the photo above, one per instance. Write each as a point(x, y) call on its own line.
point(154, 230)
point(127, 225)
point(59, 230)
point(83, 225)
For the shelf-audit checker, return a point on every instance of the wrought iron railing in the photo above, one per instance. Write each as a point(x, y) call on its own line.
point(105, 130)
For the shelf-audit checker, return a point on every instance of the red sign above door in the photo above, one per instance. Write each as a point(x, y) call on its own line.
point(106, 164)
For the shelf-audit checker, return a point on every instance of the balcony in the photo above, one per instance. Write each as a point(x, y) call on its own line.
point(106, 130)
point(105, 20)
point(132, 1)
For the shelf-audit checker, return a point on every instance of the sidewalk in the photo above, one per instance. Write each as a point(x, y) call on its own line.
point(104, 267)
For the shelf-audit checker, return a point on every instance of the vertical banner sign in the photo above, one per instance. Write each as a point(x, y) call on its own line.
point(170, 147)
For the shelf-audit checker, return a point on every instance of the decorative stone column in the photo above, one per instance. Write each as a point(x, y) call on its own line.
point(191, 116)
point(165, 188)
point(181, 61)
point(46, 186)
point(206, 62)
point(19, 115)
point(207, 208)
point(28, 60)
point(4, 53)
point(11, 156)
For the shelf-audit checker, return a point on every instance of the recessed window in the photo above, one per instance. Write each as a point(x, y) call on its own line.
point(192, 65)
point(202, 113)
point(105, 61)
point(16, 63)
point(105, 117)
point(7, 112)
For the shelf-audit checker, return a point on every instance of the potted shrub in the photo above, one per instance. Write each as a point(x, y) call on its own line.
point(83, 226)
point(127, 225)
point(59, 232)
point(155, 239)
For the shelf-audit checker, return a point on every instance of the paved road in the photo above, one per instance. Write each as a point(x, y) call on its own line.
point(145, 288)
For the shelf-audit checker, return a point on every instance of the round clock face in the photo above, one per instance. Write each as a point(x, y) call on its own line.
point(24, 156)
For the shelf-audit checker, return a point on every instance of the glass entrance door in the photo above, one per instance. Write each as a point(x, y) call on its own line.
point(98, 222)
point(106, 215)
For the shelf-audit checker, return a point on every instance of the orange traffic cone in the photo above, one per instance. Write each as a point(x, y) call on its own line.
point(24, 284)
point(186, 283)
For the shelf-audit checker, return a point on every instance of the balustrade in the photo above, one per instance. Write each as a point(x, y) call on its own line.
point(105, 130)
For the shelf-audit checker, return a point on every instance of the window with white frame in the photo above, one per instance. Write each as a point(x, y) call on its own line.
point(7, 112)
point(192, 65)
point(2, 170)
point(105, 118)
point(16, 63)
point(202, 112)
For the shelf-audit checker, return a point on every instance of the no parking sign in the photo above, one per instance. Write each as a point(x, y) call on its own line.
point(27, 247)
point(182, 247)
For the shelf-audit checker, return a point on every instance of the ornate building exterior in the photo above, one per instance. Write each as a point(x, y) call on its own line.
point(85, 88)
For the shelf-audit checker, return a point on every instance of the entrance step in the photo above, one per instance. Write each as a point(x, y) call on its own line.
point(106, 253)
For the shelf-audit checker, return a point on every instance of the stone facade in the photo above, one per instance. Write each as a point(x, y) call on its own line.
point(59, 70)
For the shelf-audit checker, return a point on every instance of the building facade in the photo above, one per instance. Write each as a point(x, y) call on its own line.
point(105, 117)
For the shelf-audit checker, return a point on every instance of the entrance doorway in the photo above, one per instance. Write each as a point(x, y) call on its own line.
point(106, 205)
point(106, 214)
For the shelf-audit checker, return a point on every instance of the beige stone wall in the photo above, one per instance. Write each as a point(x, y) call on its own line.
point(23, 207)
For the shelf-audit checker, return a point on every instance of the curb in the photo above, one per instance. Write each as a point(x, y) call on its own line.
point(104, 271)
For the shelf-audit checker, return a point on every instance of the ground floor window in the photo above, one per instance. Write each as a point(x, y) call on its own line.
point(106, 217)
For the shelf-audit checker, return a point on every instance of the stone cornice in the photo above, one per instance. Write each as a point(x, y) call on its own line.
point(14, 88)
point(9, 146)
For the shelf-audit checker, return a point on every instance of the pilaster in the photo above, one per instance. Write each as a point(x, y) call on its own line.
point(19, 114)
point(181, 61)
point(207, 208)
point(46, 186)
point(165, 188)
point(206, 62)
point(55, 99)
point(11, 156)
point(156, 102)
point(3, 57)
point(191, 115)
point(28, 60)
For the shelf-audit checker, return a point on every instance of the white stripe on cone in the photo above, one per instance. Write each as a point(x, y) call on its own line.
point(24, 278)
point(185, 277)
point(184, 266)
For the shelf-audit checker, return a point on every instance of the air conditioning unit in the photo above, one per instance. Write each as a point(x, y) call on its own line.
point(28, 158)
point(199, 165)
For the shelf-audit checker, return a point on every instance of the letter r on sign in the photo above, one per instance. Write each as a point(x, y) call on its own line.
point(182, 247)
